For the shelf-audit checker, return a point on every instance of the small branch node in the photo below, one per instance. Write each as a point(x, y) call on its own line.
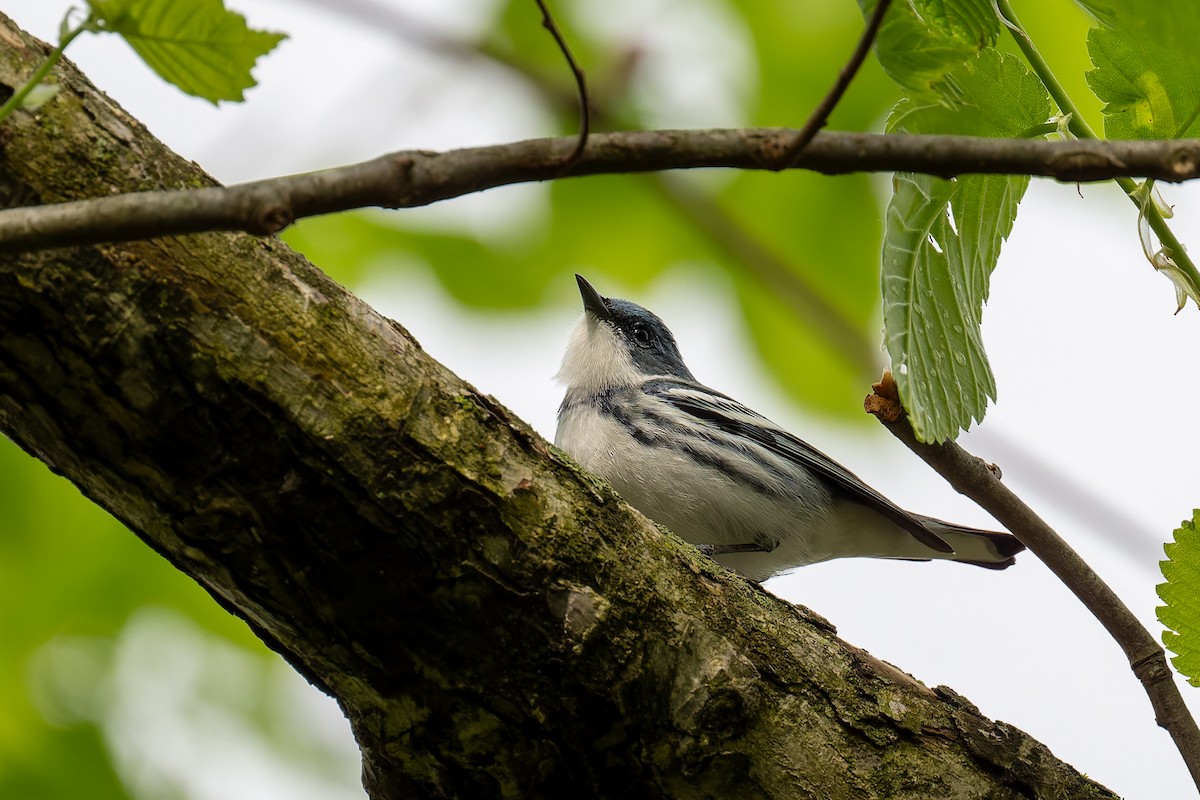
point(273, 218)
point(1151, 667)
point(1084, 164)
point(1184, 162)
point(884, 401)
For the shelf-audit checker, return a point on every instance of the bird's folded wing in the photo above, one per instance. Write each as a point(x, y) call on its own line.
point(725, 414)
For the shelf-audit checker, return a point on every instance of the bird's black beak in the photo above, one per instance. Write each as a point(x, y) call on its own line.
point(593, 302)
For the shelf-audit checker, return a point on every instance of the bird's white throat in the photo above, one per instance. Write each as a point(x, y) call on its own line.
point(597, 358)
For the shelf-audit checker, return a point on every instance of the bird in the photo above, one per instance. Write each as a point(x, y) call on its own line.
point(723, 477)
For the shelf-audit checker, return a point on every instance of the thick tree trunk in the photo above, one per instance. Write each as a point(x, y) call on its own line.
point(493, 622)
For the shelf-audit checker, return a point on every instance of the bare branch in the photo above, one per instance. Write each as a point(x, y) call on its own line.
point(820, 115)
point(417, 177)
point(585, 112)
point(969, 475)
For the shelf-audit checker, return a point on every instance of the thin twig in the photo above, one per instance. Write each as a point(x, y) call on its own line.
point(820, 115)
point(585, 112)
point(970, 476)
point(382, 17)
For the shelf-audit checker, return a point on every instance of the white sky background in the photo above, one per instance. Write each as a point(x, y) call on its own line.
point(1096, 377)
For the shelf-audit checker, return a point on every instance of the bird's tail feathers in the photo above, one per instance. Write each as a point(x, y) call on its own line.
point(987, 549)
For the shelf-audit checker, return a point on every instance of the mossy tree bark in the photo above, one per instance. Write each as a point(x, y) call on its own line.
point(493, 622)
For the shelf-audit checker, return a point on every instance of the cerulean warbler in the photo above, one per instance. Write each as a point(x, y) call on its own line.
point(723, 477)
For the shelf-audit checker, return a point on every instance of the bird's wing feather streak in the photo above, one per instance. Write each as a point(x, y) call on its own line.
point(731, 417)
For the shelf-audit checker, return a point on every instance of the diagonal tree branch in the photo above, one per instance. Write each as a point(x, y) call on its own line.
point(973, 478)
point(415, 178)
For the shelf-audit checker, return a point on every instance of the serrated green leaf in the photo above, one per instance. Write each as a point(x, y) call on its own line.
point(1145, 70)
point(197, 45)
point(920, 41)
point(1181, 593)
point(994, 94)
point(933, 299)
point(942, 240)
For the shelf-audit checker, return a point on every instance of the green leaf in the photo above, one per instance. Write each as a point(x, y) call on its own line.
point(109, 575)
point(198, 45)
point(1146, 71)
point(942, 240)
point(1104, 13)
point(1181, 593)
point(993, 94)
point(920, 41)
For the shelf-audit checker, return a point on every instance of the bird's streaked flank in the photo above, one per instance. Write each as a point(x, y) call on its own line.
point(723, 477)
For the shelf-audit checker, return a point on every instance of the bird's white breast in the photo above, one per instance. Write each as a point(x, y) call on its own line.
point(696, 501)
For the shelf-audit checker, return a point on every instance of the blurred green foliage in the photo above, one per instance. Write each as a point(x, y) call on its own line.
point(67, 569)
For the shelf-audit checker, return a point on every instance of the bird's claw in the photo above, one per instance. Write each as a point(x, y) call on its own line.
point(713, 550)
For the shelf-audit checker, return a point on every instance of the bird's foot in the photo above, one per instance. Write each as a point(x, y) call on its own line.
point(713, 550)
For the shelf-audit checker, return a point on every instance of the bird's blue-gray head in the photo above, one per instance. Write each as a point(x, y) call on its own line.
point(617, 343)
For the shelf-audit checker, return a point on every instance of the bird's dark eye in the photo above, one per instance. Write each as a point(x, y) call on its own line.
point(641, 335)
